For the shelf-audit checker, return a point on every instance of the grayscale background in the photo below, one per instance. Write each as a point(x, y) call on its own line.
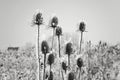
point(101, 17)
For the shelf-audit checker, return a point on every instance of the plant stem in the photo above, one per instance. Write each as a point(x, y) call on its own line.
point(62, 75)
point(50, 67)
point(38, 53)
point(59, 45)
point(81, 41)
point(53, 38)
point(44, 66)
point(80, 74)
point(69, 60)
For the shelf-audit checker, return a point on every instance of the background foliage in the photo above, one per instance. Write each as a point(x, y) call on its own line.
point(100, 61)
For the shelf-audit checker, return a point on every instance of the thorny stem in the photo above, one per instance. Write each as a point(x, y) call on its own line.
point(69, 60)
point(59, 45)
point(62, 75)
point(44, 66)
point(79, 74)
point(50, 68)
point(38, 52)
point(81, 41)
point(53, 38)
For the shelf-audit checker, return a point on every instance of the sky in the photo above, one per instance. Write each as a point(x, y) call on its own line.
point(100, 16)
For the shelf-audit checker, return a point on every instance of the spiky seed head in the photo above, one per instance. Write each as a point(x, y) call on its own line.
point(100, 42)
point(38, 19)
point(64, 66)
point(50, 76)
point(41, 65)
point(105, 44)
point(50, 59)
point(82, 27)
point(58, 31)
point(79, 62)
point(46, 76)
point(69, 48)
point(44, 47)
point(54, 22)
point(71, 76)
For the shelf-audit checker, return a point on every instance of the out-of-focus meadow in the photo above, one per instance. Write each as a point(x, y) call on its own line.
point(100, 61)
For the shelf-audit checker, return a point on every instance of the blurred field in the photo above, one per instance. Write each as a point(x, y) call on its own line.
point(100, 62)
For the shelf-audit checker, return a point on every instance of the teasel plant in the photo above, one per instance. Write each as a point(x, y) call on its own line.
point(58, 34)
point(64, 67)
point(38, 20)
point(71, 76)
point(81, 29)
point(45, 50)
point(69, 51)
point(50, 76)
point(79, 64)
point(51, 60)
point(53, 23)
